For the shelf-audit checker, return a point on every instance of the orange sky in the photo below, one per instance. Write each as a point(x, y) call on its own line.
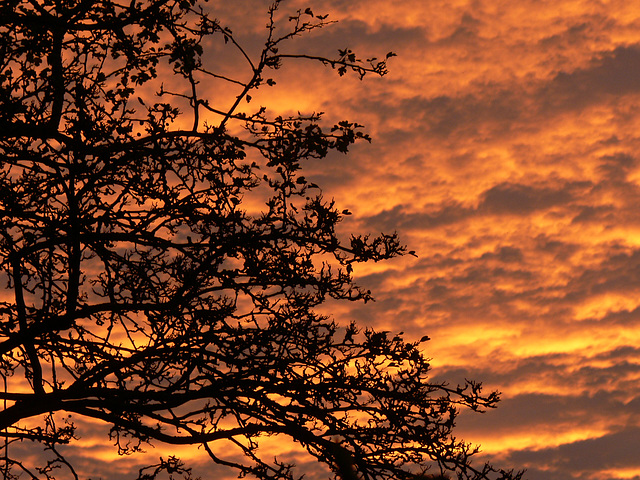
point(504, 152)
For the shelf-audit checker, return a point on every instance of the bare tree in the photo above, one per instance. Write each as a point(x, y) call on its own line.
point(142, 289)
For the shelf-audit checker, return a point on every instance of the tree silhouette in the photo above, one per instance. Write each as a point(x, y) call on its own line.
point(163, 255)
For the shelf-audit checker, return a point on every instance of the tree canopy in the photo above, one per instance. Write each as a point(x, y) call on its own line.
point(163, 256)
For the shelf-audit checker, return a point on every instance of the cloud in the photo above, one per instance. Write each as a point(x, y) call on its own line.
point(611, 73)
point(509, 198)
point(584, 459)
point(506, 254)
point(502, 199)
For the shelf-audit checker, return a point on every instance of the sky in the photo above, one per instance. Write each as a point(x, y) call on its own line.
point(504, 152)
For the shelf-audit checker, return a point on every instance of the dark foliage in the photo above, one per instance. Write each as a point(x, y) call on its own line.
point(144, 287)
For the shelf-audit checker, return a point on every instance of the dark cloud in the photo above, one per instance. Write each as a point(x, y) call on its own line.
point(509, 198)
point(560, 249)
point(504, 254)
point(400, 218)
point(478, 274)
point(618, 272)
point(549, 413)
point(617, 450)
point(596, 386)
point(596, 214)
point(467, 115)
point(611, 73)
point(464, 33)
point(616, 167)
point(504, 198)
point(579, 32)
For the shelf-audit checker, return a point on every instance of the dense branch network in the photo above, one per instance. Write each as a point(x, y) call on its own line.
point(144, 290)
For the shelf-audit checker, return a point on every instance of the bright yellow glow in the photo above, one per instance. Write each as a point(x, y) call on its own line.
point(601, 305)
point(540, 438)
point(630, 473)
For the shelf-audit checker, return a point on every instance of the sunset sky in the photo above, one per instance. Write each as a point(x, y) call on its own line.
point(505, 153)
